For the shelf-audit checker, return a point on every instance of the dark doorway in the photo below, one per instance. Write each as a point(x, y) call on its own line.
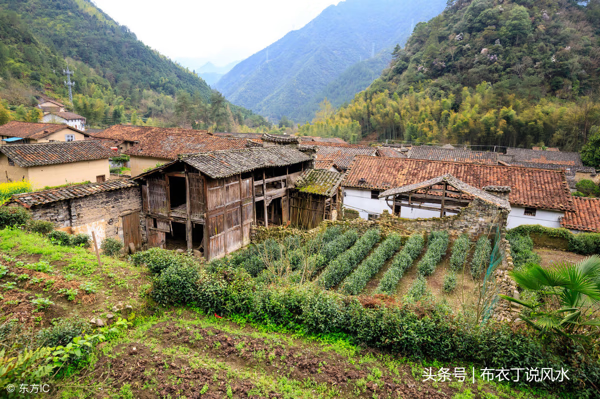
point(177, 192)
point(176, 238)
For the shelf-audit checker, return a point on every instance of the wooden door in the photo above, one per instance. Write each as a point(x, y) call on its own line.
point(196, 195)
point(131, 230)
point(156, 238)
point(157, 196)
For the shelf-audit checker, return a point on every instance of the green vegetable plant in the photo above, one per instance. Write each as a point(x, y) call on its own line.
point(41, 303)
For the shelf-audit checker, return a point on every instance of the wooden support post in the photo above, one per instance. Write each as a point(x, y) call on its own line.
point(188, 206)
point(442, 211)
point(265, 199)
point(96, 248)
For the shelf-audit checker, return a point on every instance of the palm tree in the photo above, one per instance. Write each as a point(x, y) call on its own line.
point(568, 297)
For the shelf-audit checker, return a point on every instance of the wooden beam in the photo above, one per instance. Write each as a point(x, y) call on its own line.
point(270, 180)
point(431, 208)
point(443, 200)
point(188, 205)
point(265, 196)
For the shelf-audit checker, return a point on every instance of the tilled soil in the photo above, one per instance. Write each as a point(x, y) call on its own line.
point(297, 363)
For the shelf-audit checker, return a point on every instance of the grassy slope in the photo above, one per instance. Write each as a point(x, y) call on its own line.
point(178, 352)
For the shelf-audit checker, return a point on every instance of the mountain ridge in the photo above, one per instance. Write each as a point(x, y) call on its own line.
point(280, 79)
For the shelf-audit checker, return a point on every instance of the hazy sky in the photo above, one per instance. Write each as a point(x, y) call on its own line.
point(220, 31)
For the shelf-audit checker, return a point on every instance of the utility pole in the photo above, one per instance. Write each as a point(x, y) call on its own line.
point(68, 82)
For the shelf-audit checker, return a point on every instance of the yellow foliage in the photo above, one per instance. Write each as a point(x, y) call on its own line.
point(15, 187)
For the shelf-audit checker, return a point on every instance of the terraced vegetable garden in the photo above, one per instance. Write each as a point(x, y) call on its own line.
point(352, 263)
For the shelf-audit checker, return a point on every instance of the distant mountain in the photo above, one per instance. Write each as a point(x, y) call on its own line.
point(286, 78)
point(115, 73)
point(208, 71)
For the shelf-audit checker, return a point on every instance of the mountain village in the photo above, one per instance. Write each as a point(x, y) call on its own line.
point(377, 251)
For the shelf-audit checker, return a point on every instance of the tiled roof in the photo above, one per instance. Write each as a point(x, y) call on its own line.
point(29, 130)
point(44, 99)
point(137, 133)
point(342, 156)
point(536, 188)
point(68, 116)
point(389, 152)
point(571, 170)
point(454, 155)
point(319, 181)
point(544, 157)
point(308, 139)
point(64, 193)
point(220, 164)
point(275, 138)
point(167, 145)
point(238, 135)
point(28, 155)
point(324, 164)
point(586, 216)
point(454, 182)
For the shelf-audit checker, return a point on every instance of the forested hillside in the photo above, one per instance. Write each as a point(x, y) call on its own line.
point(487, 72)
point(286, 78)
point(116, 75)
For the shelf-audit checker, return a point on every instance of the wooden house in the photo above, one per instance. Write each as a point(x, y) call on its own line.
point(207, 202)
point(317, 197)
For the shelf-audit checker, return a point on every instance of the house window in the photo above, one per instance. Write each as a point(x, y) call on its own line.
point(69, 137)
point(373, 216)
point(530, 211)
point(375, 194)
point(11, 162)
point(100, 179)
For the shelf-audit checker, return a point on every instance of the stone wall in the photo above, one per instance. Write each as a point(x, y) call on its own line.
point(505, 310)
point(100, 213)
point(476, 219)
point(57, 212)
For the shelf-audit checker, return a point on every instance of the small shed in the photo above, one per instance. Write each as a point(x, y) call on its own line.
point(317, 197)
point(110, 209)
point(442, 195)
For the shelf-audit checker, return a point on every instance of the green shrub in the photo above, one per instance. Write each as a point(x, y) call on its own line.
point(60, 238)
point(588, 188)
point(11, 216)
point(40, 226)
point(412, 249)
point(460, 251)
point(521, 249)
point(481, 256)
point(41, 266)
point(111, 246)
point(62, 332)
point(292, 243)
point(582, 243)
point(81, 240)
point(436, 249)
point(449, 282)
point(156, 259)
point(177, 284)
point(417, 290)
point(315, 245)
point(429, 333)
point(331, 250)
point(343, 265)
point(358, 280)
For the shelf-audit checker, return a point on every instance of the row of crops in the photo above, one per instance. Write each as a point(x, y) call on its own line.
point(347, 261)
